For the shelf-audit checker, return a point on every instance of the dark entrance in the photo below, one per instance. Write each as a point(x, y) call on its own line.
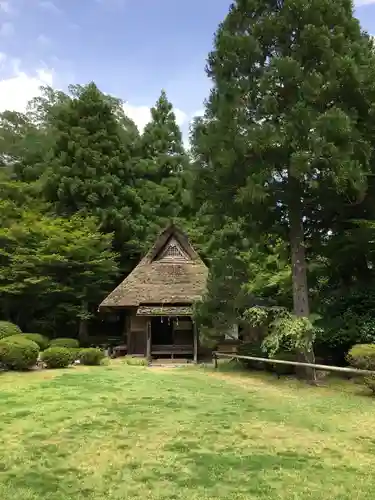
point(161, 331)
point(172, 337)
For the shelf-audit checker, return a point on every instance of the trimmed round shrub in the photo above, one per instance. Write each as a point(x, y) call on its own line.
point(134, 361)
point(41, 340)
point(8, 329)
point(91, 356)
point(65, 342)
point(369, 381)
point(57, 357)
point(284, 369)
point(18, 354)
point(362, 356)
point(19, 339)
point(75, 353)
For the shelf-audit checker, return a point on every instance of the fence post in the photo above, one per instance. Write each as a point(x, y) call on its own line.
point(215, 360)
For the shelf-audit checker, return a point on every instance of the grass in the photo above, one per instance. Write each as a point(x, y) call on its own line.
point(119, 431)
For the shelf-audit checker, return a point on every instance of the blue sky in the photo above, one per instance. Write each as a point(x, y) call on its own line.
point(130, 48)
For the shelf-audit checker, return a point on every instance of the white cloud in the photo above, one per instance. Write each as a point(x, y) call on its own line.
point(141, 115)
point(359, 3)
point(17, 90)
point(43, 39)
point(50, 6)
point(6, 29)
point(198, 113)
point(6, 7)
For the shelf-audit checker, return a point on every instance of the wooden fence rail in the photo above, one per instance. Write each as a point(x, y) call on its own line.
point(340, 369)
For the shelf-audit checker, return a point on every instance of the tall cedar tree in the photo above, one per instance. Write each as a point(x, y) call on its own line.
point(287, 118)
point(163, 162)
point(22, 146)
point(92, 171)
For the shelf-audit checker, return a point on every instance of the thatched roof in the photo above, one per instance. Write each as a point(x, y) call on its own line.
point(170, 273)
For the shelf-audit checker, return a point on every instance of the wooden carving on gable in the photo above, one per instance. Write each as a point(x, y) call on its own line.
point(173, 252)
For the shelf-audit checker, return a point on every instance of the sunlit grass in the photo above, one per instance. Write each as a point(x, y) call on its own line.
point(131, 432)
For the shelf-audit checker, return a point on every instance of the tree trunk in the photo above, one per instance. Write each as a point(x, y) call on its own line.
point(299, 280)
point(83, 335)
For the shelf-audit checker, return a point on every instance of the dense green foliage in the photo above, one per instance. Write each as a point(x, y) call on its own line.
point(91, 356)
point(18, 353)
point(83, 194)
point(135, 361)
point(284, 165)
point(8, 329)
point(278, 192)
point(62, 342)
point(42, 341)
point(362, 356)
point(57, 357)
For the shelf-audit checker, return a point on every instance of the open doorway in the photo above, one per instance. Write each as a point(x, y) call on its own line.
point(161, 331)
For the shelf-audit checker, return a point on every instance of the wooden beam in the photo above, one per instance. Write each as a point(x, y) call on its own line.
point(328, 368)
point(148, 345)
point(195, 340)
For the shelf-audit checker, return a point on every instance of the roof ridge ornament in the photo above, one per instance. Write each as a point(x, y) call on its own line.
point(173, 251)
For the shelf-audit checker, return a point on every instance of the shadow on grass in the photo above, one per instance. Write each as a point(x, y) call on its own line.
point(344, 384)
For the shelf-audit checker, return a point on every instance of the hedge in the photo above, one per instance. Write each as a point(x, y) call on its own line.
point(18, 354)
point(42, 341)
point(362, 356)
point(65, 342)
point(134, 361)
point(91, 356)
point(57, 357)
point(8, 329)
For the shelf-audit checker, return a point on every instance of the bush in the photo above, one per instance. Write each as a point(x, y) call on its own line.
point(91, 356)
point(346, 320)
point(134, 361)
point(19, 339)
point(284, 369)
point(254, 349)
point(75, 353)
point(57, 357)
point(362, 356)
point(62, 342)
point(42, 341)
point(8, 329)
point(370, 382)
point(18, 354)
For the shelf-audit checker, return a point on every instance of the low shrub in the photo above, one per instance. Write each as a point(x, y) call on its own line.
point(19, 339)
point(91, 356)
point(134, 361)
point(254, 349)
point(42, 341)
point(281, 369)
point(18, 354)
point(370, 382)
point(57, 357)
point(362, 356)
point(65, 342)
point(75, 353)
point(8, 329)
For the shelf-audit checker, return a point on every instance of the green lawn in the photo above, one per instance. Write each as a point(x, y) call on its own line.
point(121, 432)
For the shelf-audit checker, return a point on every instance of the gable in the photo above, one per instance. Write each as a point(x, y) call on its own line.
point(172, 252)
point(180, 280)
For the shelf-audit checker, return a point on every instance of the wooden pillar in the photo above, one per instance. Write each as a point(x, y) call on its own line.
point(195, 340)
point(126, 331)
point(148, 345)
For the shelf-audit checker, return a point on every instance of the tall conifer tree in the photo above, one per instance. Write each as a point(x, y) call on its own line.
point(288, 118)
